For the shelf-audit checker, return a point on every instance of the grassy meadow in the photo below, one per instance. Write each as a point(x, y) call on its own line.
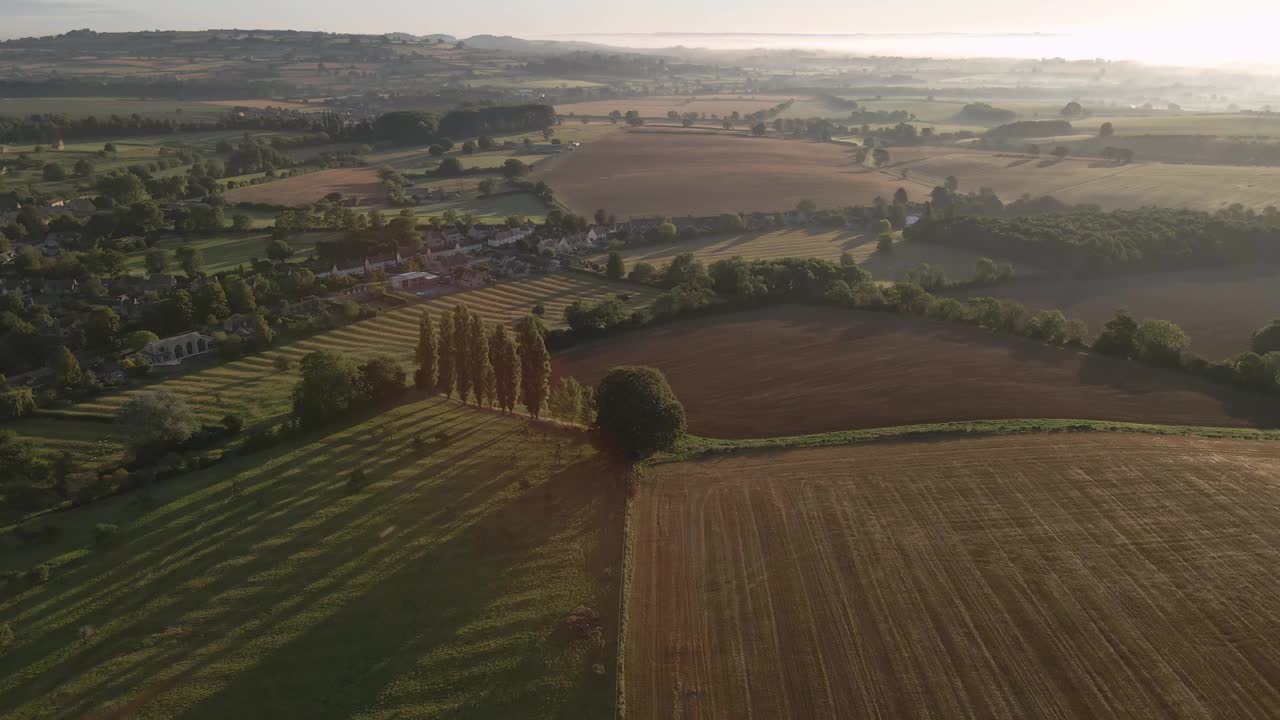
point(264, 587)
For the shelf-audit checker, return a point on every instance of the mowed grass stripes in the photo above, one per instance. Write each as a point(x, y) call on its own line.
point(256, 390)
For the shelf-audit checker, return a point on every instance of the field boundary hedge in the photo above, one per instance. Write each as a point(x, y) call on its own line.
point(624, 591)
point(697, 448)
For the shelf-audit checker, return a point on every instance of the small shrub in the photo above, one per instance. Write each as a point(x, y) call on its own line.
point(6, 636)
point(105, 534)
point(233, 423)
point(356, 480)
point(39, 574)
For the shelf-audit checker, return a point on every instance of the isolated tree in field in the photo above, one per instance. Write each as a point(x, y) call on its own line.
point(615, 269)
point(759, 129)
point(513, 168)
point(381, 379)
point(1160, 342)
point(1117, 336)
point(985, 270)
point(65, 368)
point(1266, 338)
point(279, 250)
point(446, 377)
point(806, 206)
point(951, 183)
point(155, 418)
point(479, 366)
point(505, 358)
point(900, 196)
point(637, 412)
point(880, 157)
point(330, 386)
point(1033, 149)
point(191, 259)
point(156, 261)
point(1061, 152)
point(462, 378)
point(535, 365)
point(1072, 109)
point(1107, 130)
point(427, 355)
point(667, 230)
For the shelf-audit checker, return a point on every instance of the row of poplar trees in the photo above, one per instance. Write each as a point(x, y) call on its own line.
point(488, 364)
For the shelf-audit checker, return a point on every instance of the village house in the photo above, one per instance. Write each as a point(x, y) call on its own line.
point(509, 236)
point(174, 350)
point(470, 277)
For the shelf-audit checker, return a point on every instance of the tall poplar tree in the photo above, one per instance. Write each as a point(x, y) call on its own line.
point(506, 367)
point(478, 365)
point(461, 350)
point(446, 377)
point(535, 366)
point(427, 354)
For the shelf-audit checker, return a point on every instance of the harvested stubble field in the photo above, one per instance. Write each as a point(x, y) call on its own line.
point(663, 172)
point(658, 107)
point(1217, 307)
point(255, 389)
point(795, 370)
point(824, 244)
point(264, 587)
point(1058, 576)
point(1088, 180)
point(362, 182)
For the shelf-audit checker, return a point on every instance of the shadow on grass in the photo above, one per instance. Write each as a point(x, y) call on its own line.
point(352, 587)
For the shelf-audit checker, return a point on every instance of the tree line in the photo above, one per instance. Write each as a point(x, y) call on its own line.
point(1089, 242)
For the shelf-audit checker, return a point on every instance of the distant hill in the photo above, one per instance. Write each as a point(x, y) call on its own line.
point(508, 43)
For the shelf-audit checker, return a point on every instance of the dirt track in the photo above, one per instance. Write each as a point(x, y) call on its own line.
point(796, 369)
point(1061, 576)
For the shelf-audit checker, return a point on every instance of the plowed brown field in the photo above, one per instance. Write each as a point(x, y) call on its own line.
point(648, 172)
point(797, 369)
point(1061, 576)
point(310, 187)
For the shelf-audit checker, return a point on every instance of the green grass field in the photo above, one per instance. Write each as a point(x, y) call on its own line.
point(256, 390)
point(103, 108)
point(71, 186)
point(825, 245)
point(264, 588)
point(226, 252)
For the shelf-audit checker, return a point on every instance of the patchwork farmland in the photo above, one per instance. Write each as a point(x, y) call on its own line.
point(658, 107)
point(1217, 307)
point(1089, 180)
point(827, 245)
point(1065, 576)
point(362, 183)
point(816, 369)
point(255, 389)
point(265, 583)
point(671, 172)
point(661, 172)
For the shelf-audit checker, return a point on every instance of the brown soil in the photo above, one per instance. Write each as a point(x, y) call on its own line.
point(1085, 576)
point(797, 369)
point(310, 187)
point(650, 172)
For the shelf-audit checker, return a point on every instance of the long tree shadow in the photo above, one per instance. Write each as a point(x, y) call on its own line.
point(230, 525)
point(450, 626)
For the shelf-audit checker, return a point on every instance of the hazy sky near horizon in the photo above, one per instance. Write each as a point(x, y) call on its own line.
point(1144, 29)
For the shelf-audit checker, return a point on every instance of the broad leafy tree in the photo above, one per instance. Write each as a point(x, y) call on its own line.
point(637, 412)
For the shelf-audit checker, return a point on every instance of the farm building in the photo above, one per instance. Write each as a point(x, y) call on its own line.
point(412, 281)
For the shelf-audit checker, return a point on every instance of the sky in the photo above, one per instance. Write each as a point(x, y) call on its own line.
point(1153, 30)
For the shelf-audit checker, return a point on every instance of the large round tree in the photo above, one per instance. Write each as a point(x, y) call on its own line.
point(637, 411)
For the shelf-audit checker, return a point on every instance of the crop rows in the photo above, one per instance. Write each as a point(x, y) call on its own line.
point(1097, 576)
